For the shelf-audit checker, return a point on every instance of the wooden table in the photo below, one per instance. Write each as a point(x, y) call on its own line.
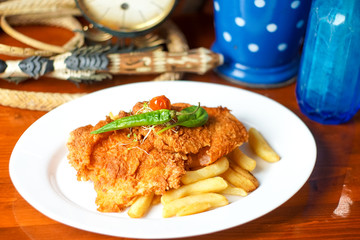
point(326, 207)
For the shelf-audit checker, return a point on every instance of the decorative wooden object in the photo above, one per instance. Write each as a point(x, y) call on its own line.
point(97, 63)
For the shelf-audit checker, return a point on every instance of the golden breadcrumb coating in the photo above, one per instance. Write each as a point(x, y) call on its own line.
point(132, 162)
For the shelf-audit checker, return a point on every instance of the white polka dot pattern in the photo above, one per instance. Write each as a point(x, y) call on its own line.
point(238, 65)
point(295, 4)
point(259, 3)
point(300, 23)
point(216, 6)
point(227, 36)
point(240, 21)
point(238, 73)
point(282, 47)
point(271, 27)
point(260, 39)
point(253, 47)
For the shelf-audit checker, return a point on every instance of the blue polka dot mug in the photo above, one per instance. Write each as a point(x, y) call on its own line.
point(260, 39)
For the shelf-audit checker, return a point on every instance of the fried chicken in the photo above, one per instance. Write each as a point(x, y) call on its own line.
point(132, 162)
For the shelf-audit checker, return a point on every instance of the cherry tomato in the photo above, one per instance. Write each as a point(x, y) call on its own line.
point(160, 102)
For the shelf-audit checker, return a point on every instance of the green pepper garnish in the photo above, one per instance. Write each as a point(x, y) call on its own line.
point(193, 116)
point(149, 118)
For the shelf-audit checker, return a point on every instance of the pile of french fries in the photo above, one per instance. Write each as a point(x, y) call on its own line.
point(207, 187)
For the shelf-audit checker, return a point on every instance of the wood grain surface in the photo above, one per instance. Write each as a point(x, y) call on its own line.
point(326, 207)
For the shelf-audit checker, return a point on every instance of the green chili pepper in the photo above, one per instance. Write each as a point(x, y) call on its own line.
point(194, 116)
point(149, 118)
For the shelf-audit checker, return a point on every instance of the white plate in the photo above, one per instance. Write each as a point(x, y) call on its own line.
point(40, 171)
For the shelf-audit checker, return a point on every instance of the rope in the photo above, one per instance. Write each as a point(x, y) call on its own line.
point(67, 22)
point(18, 7)
point(41, 101)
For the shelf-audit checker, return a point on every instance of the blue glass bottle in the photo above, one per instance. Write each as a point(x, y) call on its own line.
point(328, 85)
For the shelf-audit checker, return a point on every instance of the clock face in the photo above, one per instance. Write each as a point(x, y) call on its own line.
point(126, 17)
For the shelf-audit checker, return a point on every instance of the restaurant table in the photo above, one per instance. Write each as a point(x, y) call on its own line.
point(326, 207)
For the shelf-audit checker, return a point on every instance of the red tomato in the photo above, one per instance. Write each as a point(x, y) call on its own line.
point(160, 102)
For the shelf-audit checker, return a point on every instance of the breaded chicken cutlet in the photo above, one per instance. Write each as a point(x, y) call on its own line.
point(131, 162)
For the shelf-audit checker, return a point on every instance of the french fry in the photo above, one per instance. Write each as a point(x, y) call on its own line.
point(246, 174)
point(193, 208)
point(212, 170)
point(156, 200)
point(214, 184)
point(236, 191)
point(140, 206)
point(241, 159)
point(261, 147)
point(239, 180)
point(198, 203)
